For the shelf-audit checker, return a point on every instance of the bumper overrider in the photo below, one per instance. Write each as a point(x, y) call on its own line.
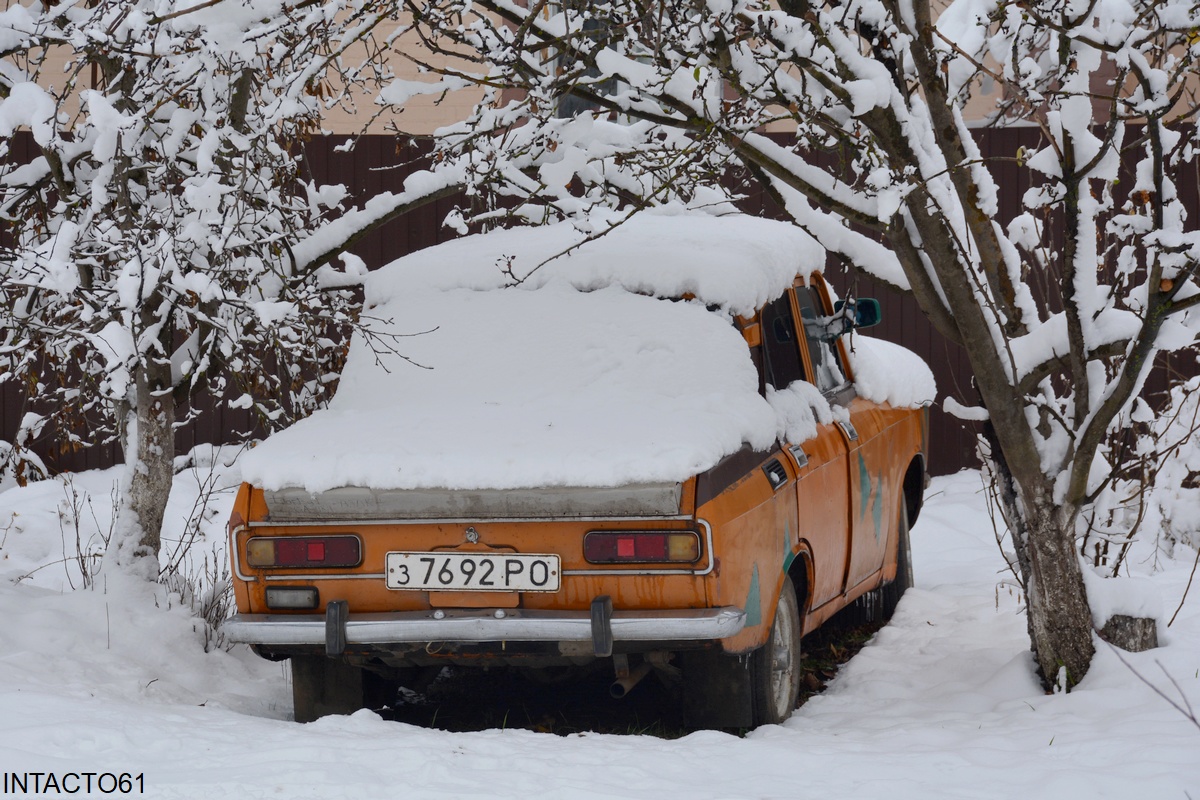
point(601, 625)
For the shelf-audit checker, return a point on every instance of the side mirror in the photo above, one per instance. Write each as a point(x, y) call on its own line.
point(867, 312)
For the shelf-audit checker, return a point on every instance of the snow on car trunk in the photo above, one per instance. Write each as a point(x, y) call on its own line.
point(554, 387)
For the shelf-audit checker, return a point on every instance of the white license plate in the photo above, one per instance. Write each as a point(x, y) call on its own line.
point(474, 572)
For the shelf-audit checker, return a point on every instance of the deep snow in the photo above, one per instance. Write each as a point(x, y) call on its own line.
point(941, 704)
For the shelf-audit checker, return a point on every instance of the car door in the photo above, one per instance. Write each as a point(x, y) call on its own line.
point(821, 486)
point(859, 423)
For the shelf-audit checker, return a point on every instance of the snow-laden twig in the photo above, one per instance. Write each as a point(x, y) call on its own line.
point(1188, 588)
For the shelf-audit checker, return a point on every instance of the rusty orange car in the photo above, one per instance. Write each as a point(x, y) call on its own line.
point(670, 474)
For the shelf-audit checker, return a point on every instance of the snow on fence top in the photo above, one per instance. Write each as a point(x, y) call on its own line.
point(586, 374)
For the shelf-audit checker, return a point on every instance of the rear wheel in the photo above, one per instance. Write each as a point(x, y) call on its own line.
point(903, 581)
point(322, 686)
point(776, 666)
point(727, 691)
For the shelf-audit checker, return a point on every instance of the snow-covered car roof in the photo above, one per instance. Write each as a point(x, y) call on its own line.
point(591, 372)
point(731, 261)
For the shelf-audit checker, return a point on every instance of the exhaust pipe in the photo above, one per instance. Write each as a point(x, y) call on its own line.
point(623, 684)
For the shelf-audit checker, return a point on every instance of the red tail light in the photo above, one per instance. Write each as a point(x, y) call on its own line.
point(641, 547)
point(304, 551)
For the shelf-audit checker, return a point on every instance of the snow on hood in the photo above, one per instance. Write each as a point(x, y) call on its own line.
point(885, 372)
point(590, 373)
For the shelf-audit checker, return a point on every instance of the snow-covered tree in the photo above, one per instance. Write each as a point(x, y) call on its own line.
point(162, 239)
point(664, 94)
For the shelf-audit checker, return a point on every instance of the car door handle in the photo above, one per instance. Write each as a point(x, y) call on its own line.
point(798, 453)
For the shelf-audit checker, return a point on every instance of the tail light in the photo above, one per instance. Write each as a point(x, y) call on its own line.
point(641, 547)
point(304, 551)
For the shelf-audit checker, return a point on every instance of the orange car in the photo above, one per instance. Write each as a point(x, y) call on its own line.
point(709, 577)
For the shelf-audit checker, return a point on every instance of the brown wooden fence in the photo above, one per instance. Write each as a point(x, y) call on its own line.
point(376, 164)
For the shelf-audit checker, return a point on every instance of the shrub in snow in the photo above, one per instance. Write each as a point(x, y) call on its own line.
point(19, 464)
point(1149, 484)
point(1173, 445)
point(161, 238)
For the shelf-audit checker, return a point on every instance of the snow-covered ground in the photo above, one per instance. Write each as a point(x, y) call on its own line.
point(941, 704)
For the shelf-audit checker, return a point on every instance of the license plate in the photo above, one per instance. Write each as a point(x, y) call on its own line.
point(473, 572)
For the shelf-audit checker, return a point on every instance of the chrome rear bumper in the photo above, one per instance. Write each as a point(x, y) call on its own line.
point(513, 625)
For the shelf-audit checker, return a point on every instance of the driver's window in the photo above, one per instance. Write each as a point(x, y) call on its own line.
point(826, 359)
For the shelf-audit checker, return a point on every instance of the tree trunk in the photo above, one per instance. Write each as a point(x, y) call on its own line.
point(152, 463)
point(1060, 621)
point(1058, 615)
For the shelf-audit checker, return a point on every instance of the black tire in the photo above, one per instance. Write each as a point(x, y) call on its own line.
point(775, 667)
point(716, 690)
point(726, 692)
point(892, 592)
point(322, 686)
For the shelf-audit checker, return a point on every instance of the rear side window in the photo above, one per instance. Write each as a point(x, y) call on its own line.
point(782, 351)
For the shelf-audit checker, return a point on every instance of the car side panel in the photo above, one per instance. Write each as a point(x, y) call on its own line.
point(888, 441)
point(754, 535)
point(823, 513)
